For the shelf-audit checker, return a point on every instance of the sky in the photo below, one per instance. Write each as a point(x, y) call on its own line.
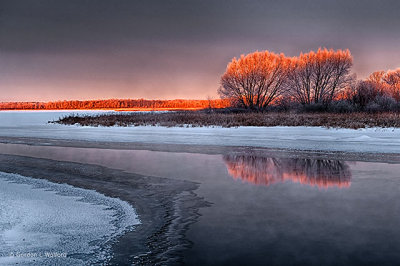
point(167, 49)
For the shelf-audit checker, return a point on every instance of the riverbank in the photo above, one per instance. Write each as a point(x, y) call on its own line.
point(34, 125)
point(229, 119)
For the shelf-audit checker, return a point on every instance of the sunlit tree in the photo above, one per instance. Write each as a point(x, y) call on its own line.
point(255, 80)
point(317, 77)
point(392, 80)
point(386, 83)
point(376, 77)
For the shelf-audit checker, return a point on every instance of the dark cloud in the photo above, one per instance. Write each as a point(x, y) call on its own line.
point(168, 49)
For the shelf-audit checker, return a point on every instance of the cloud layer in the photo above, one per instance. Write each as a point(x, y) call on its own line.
point(90, 49)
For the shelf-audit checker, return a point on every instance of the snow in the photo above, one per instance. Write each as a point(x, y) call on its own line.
point(34, 124)
point(43, 222)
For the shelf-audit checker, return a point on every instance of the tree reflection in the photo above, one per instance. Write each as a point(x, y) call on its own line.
point(266, 171)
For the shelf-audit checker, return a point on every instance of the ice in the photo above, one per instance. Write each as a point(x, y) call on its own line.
point(34, 124)
point(57, 224)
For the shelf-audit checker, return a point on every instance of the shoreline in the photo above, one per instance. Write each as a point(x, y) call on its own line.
point(371, 140)
point(226, 119)
point(160, 236)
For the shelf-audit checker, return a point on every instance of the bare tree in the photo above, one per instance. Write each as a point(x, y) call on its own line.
point(254, 81)
point(392, 80)
point(317, 77)
point(364, 92)
point(386, 83)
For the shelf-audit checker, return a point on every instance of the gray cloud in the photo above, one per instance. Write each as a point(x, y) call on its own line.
point(167, 49)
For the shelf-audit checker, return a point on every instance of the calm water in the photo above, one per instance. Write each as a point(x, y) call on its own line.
point(271, 211)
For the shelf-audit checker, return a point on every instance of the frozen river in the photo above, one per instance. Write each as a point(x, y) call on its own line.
point(52, 224)
point(34, 124)
point(246, 206)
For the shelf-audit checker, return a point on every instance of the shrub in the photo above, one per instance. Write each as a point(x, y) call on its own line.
point(202, 118)
point(315, 107)
point(372, 107)
point(363, 94)
point(385, 102)
point(342, 106)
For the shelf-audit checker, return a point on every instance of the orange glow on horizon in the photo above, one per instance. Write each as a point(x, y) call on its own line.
point(118, 105)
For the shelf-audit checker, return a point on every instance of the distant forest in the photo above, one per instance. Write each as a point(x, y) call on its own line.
point(116, 104)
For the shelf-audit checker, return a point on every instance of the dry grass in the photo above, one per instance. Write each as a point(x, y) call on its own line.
point(201, 118)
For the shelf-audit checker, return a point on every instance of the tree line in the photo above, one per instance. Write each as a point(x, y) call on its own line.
point(117, 104)
point(320, 79)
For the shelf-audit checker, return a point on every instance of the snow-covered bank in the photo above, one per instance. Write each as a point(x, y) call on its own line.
point(31, 124)
point(48, 224)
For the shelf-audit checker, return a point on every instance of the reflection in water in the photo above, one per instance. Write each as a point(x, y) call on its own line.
point(267, 171)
